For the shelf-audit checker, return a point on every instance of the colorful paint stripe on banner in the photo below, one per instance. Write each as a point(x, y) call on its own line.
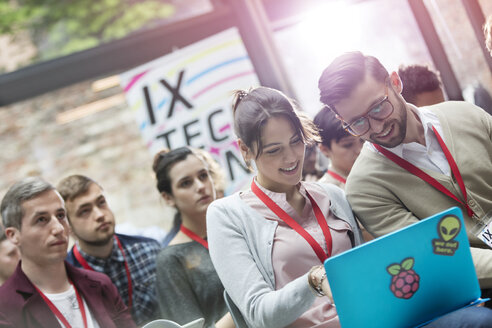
point(197, 111)
point(134, 80)
point(204, 53)
point(205, 72)
point(213, 68)
point(192, 59)
point(217, 83)
point(224, 96)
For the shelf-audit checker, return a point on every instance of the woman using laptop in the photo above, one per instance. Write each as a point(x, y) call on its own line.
point(268, 243)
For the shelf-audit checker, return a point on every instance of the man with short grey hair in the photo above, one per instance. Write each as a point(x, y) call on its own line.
point(44, 290)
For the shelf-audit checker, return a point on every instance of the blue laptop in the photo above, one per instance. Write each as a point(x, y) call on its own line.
point(407, 278)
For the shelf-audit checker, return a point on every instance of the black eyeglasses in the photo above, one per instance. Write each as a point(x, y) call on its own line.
point(380, 111)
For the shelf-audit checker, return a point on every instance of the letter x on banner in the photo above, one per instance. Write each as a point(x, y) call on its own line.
point(185, 99)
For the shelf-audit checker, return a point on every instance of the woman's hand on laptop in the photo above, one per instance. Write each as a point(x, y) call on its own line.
point(325, 286)
point(319, 283)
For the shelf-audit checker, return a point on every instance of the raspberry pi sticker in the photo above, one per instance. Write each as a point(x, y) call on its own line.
point(405, 281)
point(447, 228)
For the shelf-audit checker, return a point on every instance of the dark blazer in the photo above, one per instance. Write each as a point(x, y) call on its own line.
point(21, 306)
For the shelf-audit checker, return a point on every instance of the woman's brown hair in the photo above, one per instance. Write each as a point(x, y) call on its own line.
point(253, 108)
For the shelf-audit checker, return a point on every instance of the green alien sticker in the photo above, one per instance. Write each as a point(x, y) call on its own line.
point(448, 228)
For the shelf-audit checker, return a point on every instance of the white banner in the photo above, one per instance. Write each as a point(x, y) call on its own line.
point(185, 98)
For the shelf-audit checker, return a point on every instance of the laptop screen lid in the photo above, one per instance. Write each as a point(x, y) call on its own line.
point(406, 278)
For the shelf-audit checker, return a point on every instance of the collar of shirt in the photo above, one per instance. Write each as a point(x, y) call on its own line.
point(429, 156)
point(280, 195)
point(97, 263)
point(280, 198)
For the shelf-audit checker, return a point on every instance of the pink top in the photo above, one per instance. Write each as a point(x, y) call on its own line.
point(292, 256)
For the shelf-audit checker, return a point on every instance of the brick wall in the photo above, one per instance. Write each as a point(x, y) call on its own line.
point(105, 146)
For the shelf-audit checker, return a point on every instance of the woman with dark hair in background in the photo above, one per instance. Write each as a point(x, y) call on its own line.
point(188, 287)
point(219, 180)
point(268, 243)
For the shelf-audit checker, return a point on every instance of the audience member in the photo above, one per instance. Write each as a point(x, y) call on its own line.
point(269, 271)
point(9, 256)
point(416, 163)
point(219, 180)
point(188, 287)
point(421, 85)
point(338, 145)
point(129, 261)
point(44, 290)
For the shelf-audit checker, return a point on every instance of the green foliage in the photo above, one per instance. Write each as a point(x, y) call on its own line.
point(60, 27)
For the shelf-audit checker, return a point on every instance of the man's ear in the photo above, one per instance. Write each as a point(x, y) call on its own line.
point(395, 82)
point(13, 234)
point(169, 199)
point(325, 150)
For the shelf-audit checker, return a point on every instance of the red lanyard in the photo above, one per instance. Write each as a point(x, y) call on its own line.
point(194, 236)
point(336, 176)
point(57, 312)
point(86, 265)
point(296, 226)
point(427, 178)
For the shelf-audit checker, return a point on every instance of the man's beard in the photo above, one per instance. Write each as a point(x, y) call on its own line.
point(400, 125)
point(96, 243)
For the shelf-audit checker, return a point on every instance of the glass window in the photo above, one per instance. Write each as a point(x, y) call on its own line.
point(385, 29)
point(461, 45)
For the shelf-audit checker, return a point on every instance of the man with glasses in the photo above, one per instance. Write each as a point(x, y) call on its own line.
point(418, 161)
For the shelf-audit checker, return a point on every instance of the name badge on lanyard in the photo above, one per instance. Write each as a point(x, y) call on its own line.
point(483, 229)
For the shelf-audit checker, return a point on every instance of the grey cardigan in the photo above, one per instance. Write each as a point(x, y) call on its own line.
point(240, 242)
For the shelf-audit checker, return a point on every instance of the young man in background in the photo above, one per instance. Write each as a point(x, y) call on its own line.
point(129, 261)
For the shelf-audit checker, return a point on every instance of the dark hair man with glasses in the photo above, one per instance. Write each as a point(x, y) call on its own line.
point(418, 161)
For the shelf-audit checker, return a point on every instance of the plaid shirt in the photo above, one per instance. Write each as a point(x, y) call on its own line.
point(140, 252)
